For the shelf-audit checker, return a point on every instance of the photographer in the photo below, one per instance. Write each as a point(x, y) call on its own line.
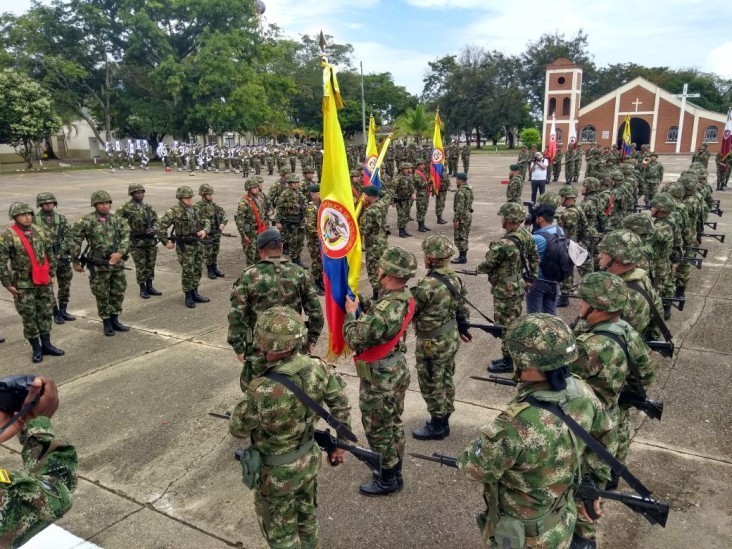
point(538, 173)
point(35, 497)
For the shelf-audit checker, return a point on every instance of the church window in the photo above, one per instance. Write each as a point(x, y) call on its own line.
point(560, 136)
point(561, 81)
point(588, 135)
point(565, 106)
point(711, 135)
point(552, 106)
point(672, 135)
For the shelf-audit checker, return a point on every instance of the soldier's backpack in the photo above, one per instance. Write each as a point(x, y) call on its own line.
point(556, 265)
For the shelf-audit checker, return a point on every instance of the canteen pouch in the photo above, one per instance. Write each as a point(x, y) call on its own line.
point(509, 532)
point(363, 370)
point(41, 273)
point(251, 467)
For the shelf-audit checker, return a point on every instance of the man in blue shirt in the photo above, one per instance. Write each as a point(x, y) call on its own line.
point(542, 296)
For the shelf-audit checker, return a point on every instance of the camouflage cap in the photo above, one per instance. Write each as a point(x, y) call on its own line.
point(622, 245)
point(640, 223)
point(18, 208)
point(405, 166)
point(292, 178)
point(513, 212)
point(617, 175)
point(45, 198)
point(135, 187)
point(267, 236)
point(259, 179)
point(676, 190)
point(421, 161)
point(100, 196)
point(568, 191)
point(591, 184)
point(627, 169)
point(663, 202)
point(398, 262)
point(541, 341)
point(438, 246)
point(603, 291)
point(205, 188)
point(250, 184)
point(279, 330)
point(184, 192)
point(549, 199)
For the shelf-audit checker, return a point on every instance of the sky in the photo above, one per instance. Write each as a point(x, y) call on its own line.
point(402, 36)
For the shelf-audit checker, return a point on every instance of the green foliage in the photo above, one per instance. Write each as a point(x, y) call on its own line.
point(416, 123)
point(530, 137)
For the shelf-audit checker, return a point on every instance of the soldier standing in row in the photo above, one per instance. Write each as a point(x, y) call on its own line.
point(422, 187)
point(573, 222)
point(403, 196)
point(465, 157)
point(290, 219)
point(57, 227)
point(311, 230)
point(371, 228)
point(440, 322)
point(557, 164)
point(723, 170)
point(107, 238)
point(250, 220)
point(441, 197)
point(462, 217)
point(524, 157)
point(27, 269)
point(189, 228)
point(216, 217)
point(376, 338)
point(515, 184)
point(143, 221)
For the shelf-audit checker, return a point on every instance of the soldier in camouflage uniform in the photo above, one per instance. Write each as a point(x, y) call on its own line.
point(356, 184)
point(524, 157)
point(371, 228)
point(701, 155)
point(250, 220)
point(189, 228)
point(279, 427)
point(652, 177)
point(311, 230)
point(143, 221)
point(290, 218)
point(515, 184)
point(108, 243)
point(667, 245)
point(527, 459)
point(465, 157)
point(33, 297)
point(506, 264)
point(58, 229)
point(574, 223)
point(723, 170)
point(557, 164)
point(441, 197)
point(453, 155)
point(403, 197)
point(42, 491)
point(273, 280)
point(376, 338)
point(423, 189)
point(216, 216)
point(642, 225)
point(462, 217)
point(440, 322)
point(695, 213)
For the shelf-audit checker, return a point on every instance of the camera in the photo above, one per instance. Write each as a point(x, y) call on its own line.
point(13, 392)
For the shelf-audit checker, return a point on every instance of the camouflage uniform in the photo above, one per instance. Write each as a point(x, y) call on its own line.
point(43, 491)
point(423, 188)
point(465, 157)
point(557, 164)
point(515, 185)
point(527, 458)
point(462, 215)
point(143, 221)
point(453, 155)
point(372, 231)
point(667, 244)
point(573, 222)
point(723, 170)
point(250, 206)
point(652, 178)
point(311, 230)
point(290, 214)
point(576, 163)
point(280, 427)
point(216, 217)
point(524, 157)
point(404, 189)
point(441, 197)
point(642, 225)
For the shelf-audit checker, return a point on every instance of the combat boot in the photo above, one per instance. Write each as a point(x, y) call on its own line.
point(403, 233)
point(579, 542)
point(108, 330)
point(447, 425)
point(47, 348)
point(211, 273)
point(57, 317)
point(198, 298)
point(501, 366)
point(434, 429)
point(66, 316)
point(150, 289)
point(681, 292)
point(37, 355)
point(666, 311)
point(190, 303)
point(117, 326)
point(563, 301)
point(399, 477)
point(460, 259)
point(441, 221)
point(421, 228)
point(216, 271)
point(143, 291)
point(383, 486)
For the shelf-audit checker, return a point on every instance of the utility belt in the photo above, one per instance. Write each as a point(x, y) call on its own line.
point(511, 278)
point(289, 457)
point(364, 369)
point(449, 326)
point(288, 221)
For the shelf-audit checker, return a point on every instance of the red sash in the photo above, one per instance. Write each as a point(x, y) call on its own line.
point(40, 274)
point(424, 178)
point(609, 208)
point(261, 225)
point(372, 354)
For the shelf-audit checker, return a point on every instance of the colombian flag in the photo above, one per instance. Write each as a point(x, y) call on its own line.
point(626, 137)
point(370, 167)
point(437, 165)
point(337, 227)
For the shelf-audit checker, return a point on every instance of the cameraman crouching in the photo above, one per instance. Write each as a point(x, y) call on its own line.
point(41, 493)
point(538, 171)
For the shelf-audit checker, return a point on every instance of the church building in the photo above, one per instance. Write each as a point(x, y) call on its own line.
point(655, 114)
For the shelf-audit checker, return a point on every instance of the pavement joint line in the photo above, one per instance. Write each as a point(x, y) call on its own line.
point(116, 522)
point(680, 452)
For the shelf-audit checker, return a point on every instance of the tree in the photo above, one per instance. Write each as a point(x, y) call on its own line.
point(416, 123)
point(26, 113)
point(530, 137)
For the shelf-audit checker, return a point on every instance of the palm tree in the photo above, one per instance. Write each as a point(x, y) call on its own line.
point(416, 122)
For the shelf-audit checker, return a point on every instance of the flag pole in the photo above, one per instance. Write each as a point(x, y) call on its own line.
point(363, 106)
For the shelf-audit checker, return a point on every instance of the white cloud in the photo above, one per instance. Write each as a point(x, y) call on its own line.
point(302, 16)
point(719, 60)
point(406, 66)
point(439, 4)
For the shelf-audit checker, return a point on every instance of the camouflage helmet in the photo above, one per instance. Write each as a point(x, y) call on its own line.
point(641, 224)
point(205, 188)
point(696, 166)
point(250, 184)
point(18, 208)
point(676, 190)
point(398, 262)
point(626, 169)
point(603, 291)
point(617, 175)
point(622, 245)
point(438, 246)
point(513, 212)
point(592, 184)
point(100, 196)
point(259, 179)
point(134, 188)
point(292, 178)
point(540, 341)
point(279, 330)
point(568, 191)
point(405, 165)
point(664, 202)
point(549, 199)
point(689, 182)
point(183, 192)
point(45, 198)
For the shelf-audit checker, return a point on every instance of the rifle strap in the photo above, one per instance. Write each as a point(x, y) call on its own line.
point(632, 366)
point(655, 315)
point(524, 263)
point(456, 293)
point(617, 467)
point(333, 421)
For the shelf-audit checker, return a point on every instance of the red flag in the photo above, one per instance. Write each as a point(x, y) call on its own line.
point(552, 141)
point(727, 136)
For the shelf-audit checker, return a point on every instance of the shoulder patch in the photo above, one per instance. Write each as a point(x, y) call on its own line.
point(516, 408)
point(382, 305)
point(5, 477)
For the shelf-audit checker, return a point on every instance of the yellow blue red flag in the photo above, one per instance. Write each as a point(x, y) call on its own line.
point(337, 227)
point(627, 140)
point(370, 167)
point(437, 165)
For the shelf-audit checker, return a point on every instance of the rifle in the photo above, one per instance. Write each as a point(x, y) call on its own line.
point(91, 265)
point(711, 225)
point(497, 380)
point(716, 236)
point(447, 461)
point(652, 408)
point(676, 302)
point(493, 329)
point(655, 511)
point(664, 348)
point(701, 251)
point(695, 261)
point(639, 208)
point(717, 211)
point(230, 235)
point(469, 272)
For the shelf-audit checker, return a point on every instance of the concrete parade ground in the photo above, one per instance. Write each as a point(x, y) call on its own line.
point(157, 471)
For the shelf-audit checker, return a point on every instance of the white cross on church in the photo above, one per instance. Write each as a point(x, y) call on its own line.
point(636, 103)
point(683, 95)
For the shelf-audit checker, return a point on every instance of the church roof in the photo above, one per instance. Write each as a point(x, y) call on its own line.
point(562, 63)
point(691, 108)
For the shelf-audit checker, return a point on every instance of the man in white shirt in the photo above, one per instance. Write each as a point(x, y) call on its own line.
point(538, 172)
